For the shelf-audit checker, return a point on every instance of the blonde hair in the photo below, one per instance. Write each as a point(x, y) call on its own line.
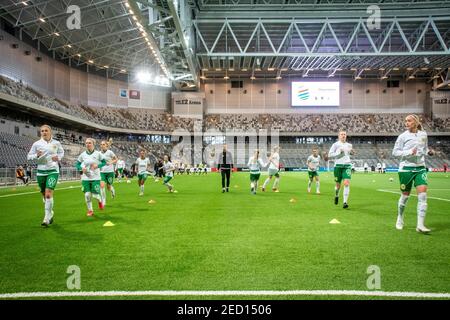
point(46, 126)
point(91, 139)
point(416, 119)
point(108, 142)
point(256, 154)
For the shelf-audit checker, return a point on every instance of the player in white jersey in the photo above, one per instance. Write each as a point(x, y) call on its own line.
point(142, 165)
point(168, 168)
point(274, 170)
point(48, 152)
point(107, 172)
point(89, 163)
point(412, 147)
point(255, 164)
point(366, 167)
point(313, 163)
point(120, 165)
point(340, 152)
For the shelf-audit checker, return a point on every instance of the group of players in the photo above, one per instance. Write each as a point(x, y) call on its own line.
point(97, 170)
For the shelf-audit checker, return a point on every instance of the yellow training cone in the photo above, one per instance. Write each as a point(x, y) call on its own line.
point(293, 200)
point(334, 221)
point(152, 201)
point(109, 224)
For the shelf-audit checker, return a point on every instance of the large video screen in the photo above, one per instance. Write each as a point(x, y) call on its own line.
point(315, 94)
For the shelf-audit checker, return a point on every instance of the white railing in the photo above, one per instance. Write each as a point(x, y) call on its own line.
point(8, 176)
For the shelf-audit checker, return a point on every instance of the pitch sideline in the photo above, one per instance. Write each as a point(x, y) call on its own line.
point(224, 293)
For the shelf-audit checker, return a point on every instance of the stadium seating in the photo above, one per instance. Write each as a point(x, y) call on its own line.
point(145, 119)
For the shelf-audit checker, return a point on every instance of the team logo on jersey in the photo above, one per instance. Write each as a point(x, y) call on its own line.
point(51, 182)
point(402, 186)
point(97, 188)
point(424, 176)
point(348, 172)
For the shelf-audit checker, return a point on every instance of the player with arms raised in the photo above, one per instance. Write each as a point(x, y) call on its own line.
point(48, 152)
point(412, 147)
point(313, 163)
point(340, 152)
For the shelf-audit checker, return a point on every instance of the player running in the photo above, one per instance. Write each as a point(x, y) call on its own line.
point(313, 163)
point(107, 172)
point(168, 168)
point(274, 170)
point(255, 164)
point(142, 164)
point(412, 147)
point(340, 152)
point(120, 165)
point(48, 152)
point(89, 163)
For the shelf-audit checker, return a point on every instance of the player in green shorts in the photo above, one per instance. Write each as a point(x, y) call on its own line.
point(47, 152)
point(340, 152)
point(168, 169)
point(412, 147)
point(313, 163)
point(120, 164)
point(107, 172)
point(89, 164)
point(142, 165)
point(273, 170)
point(255, 164)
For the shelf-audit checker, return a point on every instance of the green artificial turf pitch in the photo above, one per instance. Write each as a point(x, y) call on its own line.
point(201, 239)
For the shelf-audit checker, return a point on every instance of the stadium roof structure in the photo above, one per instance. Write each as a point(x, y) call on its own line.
point(189, 40)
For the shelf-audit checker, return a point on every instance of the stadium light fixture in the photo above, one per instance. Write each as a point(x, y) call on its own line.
point(24, 3)
point(252, 78)
point(56, 34)
point(144, 76)
point(278, 77)
point(42, 20)
point(91, 61)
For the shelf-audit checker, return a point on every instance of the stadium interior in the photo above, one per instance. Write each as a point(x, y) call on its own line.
point(184, 77)
point(237, 67)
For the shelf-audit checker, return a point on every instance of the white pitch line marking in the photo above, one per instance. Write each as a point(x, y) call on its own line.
point(414, 195)
point(225, 293)
point(31, 192)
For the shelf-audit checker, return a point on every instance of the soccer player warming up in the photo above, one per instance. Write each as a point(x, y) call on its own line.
point(89, 163)
point(274, 170)
point(142, 164)
point(120, 166)
point(107, 172)
point(169, 168)
point(255, 164)
point(411, 147)
point(313, 163)
point(48, 152)
point(340, 152)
